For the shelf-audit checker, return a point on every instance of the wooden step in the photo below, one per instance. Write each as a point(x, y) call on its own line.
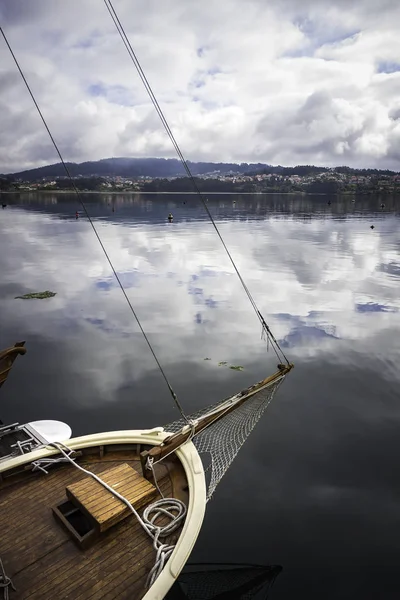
point(100, 505)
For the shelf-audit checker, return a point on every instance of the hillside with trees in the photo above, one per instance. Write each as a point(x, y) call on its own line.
point(134, 167)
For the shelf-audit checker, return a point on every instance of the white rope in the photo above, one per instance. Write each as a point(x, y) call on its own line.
point(149, 465)
point(172, 508)
point(42, 464)
point(166, 507)
point(161, 508)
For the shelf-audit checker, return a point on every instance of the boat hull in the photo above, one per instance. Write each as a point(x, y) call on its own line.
point(189, 460)
point(7, 358)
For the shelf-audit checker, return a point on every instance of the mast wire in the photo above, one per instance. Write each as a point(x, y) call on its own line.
point(174, 396)
point(160, 113)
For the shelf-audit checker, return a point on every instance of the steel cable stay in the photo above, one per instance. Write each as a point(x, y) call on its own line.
point(80, 200)
point(265, 328)
point(117, 22)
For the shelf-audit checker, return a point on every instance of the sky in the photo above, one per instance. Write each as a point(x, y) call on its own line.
point(279, 82)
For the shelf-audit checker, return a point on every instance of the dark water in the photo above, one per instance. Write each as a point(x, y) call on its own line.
point(316, 488)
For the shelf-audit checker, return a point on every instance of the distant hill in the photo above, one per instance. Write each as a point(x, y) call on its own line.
point(134, 167)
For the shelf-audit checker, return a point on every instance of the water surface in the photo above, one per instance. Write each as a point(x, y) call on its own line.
point(316, 487)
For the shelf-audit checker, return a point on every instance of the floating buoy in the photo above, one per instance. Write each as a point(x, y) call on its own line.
point(372, 227)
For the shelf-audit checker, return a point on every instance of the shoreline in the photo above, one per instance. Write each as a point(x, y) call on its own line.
point(137, 193)
point(191, 193)
point(154, 193)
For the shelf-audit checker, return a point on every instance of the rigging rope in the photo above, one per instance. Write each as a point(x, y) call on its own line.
point(174, 396)
point(171, 136)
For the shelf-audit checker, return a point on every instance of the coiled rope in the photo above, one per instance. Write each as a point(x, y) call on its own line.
point(172, 508)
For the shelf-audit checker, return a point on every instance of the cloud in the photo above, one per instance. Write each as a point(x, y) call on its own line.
point(179, 278)
point(283, 82)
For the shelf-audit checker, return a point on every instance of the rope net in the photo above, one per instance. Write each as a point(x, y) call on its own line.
point(219, 443)
point(240, 582)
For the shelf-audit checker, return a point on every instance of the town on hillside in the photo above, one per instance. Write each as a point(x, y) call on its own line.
point(302, 179)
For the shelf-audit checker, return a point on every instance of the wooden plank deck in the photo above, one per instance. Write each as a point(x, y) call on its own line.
point(41, 557)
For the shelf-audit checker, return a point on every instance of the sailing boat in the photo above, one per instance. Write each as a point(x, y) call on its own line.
point(7, 359)
point(116, 514)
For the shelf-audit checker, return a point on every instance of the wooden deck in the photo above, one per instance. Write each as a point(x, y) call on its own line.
point(43, 560)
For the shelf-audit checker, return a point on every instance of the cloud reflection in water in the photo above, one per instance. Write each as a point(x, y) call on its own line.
point(325, 457)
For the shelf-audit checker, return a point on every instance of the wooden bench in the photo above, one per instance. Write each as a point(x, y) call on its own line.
point(90, 509)
point(101, 506)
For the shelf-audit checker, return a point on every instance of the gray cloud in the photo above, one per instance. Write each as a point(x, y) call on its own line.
point(286, 82)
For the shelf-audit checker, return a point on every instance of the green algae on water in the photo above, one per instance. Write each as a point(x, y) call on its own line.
point(37, 295)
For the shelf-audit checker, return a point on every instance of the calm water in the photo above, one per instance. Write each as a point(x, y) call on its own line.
point(316, 488)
